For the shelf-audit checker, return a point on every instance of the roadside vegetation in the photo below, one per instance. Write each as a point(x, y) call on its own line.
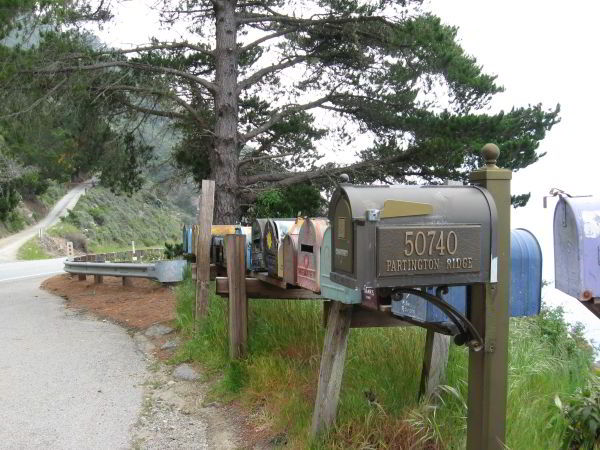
point(32, 250)
point(32, 209)
point(378, 404)
point(105, 222)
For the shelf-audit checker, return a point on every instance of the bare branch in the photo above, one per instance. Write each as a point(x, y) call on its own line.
point(147, 67)
point(37, 102)
point(266, 38)
point(163, 46)
point(154, 112)
point(161, 93)
point(254, 78)
point(260, 158)
point(275, 118)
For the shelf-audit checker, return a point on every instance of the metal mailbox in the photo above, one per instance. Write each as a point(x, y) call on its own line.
point(290, 253)
point(409, 236)
point(310, 241)
point(258, 230)
point(218, 249)
point(331, 289)
point(577, 247)
point(275, 231)
point(526, 274)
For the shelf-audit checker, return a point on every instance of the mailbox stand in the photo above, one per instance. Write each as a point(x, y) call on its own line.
point(486, 417)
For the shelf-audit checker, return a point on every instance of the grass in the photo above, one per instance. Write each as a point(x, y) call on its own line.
point(32, 250)
point(378, 405)
point(107, 222)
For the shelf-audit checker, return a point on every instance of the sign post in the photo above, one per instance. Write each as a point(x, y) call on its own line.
point(486, 417)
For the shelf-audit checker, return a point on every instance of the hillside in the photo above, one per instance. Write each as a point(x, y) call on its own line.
point(103, 221)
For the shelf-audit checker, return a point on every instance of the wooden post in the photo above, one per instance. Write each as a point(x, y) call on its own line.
point(127, 281)
point(332, 366)
point(235, 245)
point(435, 361)
point(203, 247)
point(98, 279)
point(489, 313)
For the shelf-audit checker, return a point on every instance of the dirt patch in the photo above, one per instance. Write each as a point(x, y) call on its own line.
point(138, 306)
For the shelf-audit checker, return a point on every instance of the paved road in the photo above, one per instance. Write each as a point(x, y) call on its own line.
point(66, 381)
point(9, 245)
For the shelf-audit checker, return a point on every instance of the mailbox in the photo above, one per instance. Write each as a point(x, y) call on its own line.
point(290, 253)
point(410, 236)
point(218, 252)
point(526, 274)
point(258, 230)
point(310, 240)
point(184, 239)
point(577, 247)
point(331, 289)
point(275, 231)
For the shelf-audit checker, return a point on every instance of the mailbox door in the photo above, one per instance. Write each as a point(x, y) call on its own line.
point(309, 253)
point(343, 238)
point(290, 258)
point(526, 274)
point(577, 247)
point(258, 228)
point(330, 289)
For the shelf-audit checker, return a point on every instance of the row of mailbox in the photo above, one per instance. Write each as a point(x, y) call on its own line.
point(378, 238)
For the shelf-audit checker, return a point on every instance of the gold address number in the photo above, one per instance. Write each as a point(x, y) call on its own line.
point(431, 242)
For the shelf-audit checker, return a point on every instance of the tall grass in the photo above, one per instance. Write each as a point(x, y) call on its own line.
point(378, 403)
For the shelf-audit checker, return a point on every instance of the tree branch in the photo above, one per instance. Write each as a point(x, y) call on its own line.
point(105, 65)
point(158, 92)
point(280, 115)
point(37, 102)
point(163, 46)
point(243, 84)
point(154, 112)
point(260, 158)
point(266, 38)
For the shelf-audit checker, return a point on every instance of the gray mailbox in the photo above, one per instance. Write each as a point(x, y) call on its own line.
point(577, 247)
point(258, 229)
point(407, 236)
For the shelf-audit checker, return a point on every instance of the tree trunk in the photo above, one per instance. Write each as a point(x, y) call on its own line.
point(224, 157)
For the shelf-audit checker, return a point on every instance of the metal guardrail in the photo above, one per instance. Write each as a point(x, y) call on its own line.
point(162, 271)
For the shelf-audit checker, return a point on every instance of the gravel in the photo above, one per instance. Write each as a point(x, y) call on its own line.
point(185, 372)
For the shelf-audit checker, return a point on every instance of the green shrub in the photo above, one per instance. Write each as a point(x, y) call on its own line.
point(582, 414)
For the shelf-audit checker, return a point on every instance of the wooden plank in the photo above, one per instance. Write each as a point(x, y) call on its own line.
point(435, 361)
point(203, 247)
point(332, 367)
point(263, 276)
point(238, 302)
point(258, 289)
point(368, 318)
point(213, 271)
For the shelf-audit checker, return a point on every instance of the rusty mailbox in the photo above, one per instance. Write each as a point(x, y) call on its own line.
point(275, 231)
point(409, 236)
point(310, 241)
point(258, 230)
point(577, 247)
point(290, 253)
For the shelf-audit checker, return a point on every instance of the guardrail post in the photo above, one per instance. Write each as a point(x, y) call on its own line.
point(127, 281)
point(238, 301)
point(203, 247)
point(98, 279)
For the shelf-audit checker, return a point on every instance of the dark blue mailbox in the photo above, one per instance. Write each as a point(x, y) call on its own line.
point(525, 294)
point(526, 274)
point(577, 247)
point(184, 239)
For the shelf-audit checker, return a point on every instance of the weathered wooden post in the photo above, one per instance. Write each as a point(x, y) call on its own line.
point(435, 361)
point(486, 418)
point(332, 366)
point(238, 301)
point(207, 201)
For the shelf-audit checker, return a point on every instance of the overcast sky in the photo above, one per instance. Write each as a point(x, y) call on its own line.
point(542, 52)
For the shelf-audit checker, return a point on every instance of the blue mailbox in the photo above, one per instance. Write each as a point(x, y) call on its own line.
point(577, 247)
point(526, 274)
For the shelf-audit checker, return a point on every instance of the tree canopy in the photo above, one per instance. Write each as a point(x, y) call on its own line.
point(260, 90)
